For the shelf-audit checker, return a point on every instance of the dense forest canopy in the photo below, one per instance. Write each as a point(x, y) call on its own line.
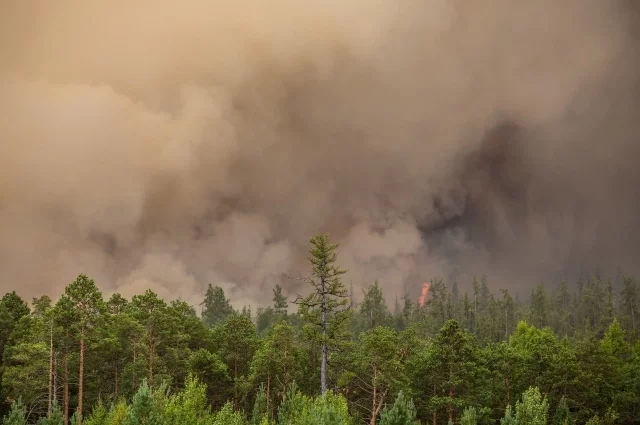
point(567, 353)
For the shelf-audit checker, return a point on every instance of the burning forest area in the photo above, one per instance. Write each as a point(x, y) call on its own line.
point(334, 212)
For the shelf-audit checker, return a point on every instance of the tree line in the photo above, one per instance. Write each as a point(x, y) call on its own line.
point(569, 353)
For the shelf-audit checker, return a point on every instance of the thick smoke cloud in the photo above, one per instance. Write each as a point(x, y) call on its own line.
point(170, 144)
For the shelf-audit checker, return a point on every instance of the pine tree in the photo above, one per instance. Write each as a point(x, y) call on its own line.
point(259, 406)
point(147, 407)
point(55, 417)
point(402, 412)
point(327, 307)
point(189, 406)
point(533, 409)
point(86, 300)
point(217, 306)
point(98, 415)
point(469, 416)
point(227, 416)
point(373, 308)
point(17, 414)
point(539, 306)
point(279, 301)
point(562, 415)
point(508, 418)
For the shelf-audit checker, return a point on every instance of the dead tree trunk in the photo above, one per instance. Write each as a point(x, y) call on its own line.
point(50, 401)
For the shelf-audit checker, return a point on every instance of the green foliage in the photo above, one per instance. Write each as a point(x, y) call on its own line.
point(329, 409)
point(469, 416)
point(98, 415)
point(509, 418)
point(460, 354)
point(614, 343)
point(190, 406)
point(212, 371)
point(227, 416)
point(147, 407)
point(259, 406)
point(562, 415)
point(533, 408)
point(326, 308)
point(17, 414)
point(609, 418)
point(55, 417)
point(216, 306)
point(373, 309)
point(280, 305)
point(118, 414)
point(294, 407)
point(402, 412)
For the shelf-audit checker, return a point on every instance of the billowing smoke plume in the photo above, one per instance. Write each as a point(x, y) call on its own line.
point(170, 144)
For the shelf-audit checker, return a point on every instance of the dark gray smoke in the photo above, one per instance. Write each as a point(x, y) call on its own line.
point(168, 145)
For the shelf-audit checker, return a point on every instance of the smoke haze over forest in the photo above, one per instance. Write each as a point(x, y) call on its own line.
point(171, 144)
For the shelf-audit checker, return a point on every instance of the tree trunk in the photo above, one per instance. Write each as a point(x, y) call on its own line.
point(116, 383)
point(135, 381)
point(50, 370)
point(323, 364)
point(507, 386)
point(450, 393)
point(235, 384)
point(66, 389)
point(55, 377)
point(451, 406)
point(81, 379)
point(268, 395)
point(435, 412)
point(373, 399)
point(151, 348)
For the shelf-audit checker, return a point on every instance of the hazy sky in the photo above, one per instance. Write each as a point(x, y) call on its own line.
point(171, 144)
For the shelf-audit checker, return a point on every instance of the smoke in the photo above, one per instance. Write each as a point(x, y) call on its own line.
point(164, 145)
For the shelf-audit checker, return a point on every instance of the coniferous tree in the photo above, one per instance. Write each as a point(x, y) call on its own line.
point(533, 408)
point(402, 412)
point(17, 415)
point(326, 307)
point(469, 416)
point(259, 406)
point(217, 306)
point(562, 416)
point(86, 301)
point(147, 407)
point(98, 415)
point(279, 302)
point(373, 309)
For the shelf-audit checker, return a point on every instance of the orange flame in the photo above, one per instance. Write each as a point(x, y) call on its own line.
point(425, 292)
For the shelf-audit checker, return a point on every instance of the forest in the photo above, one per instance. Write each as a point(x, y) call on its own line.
point(565, 353)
